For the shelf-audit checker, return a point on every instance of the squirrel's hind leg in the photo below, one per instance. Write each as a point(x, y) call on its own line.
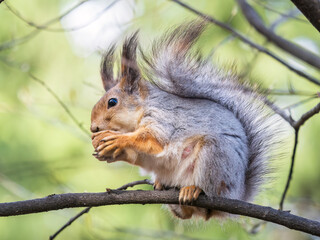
point(186, 212)
point(183, 212)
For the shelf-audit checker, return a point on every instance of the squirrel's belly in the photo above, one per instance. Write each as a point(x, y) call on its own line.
point(181, 167)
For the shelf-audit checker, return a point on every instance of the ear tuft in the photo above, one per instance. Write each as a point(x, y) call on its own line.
point(106, 69)
point(130, 73)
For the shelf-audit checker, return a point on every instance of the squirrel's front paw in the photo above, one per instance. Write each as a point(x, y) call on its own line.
point(189, 194)
point(115, 143)
point(98, 136)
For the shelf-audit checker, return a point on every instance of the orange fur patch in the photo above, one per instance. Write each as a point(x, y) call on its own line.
point(183, 212)
point(144, 141)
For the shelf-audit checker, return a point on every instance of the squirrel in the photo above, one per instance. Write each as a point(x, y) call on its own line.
point(191, 124)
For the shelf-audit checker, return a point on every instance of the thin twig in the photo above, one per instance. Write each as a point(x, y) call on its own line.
point(307, 116)
point(46, 27)
point(69, 222)
point(279, 111)
point(62, 104)
point(282, 19)
point(86, 210)
point(97, 16)
point(280, 92)
point(296, 125)
point(35, 32)
point(249, 42)
point(291, 48)
point(285, 15)
point(135, 183)
point(294, 105)
point(19, 40)
point(220, 44)
point(115, 197)
point(291, 169)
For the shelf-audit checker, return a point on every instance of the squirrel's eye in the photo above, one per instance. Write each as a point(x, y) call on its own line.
point(112, 102)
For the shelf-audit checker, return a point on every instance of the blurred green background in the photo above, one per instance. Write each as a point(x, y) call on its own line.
point(44, 151)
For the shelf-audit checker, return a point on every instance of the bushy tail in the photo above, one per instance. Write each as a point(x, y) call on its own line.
point(175, 69)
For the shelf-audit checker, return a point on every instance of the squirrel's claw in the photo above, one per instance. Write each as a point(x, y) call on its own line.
point(109, 138)
point(157, 185)
point(102, 133)
point(189, 194)
point(117, 152)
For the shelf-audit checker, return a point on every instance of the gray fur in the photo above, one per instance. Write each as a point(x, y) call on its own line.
point(190, 102)
point(225, 154)
point(185, 75)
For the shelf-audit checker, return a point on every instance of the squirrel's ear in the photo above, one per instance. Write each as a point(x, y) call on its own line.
point(106, 69)
point(130, 74)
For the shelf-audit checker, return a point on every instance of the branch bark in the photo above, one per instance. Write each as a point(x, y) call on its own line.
point(113, 197)
point(291, 48)
point(87, 209)
point(310, 9)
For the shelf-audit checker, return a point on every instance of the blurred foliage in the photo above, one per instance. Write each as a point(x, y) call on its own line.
point(43, 151)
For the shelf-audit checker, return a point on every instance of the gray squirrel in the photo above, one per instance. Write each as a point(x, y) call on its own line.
point(191, 124)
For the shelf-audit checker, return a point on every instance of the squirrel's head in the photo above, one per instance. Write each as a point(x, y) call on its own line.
point(120, 109)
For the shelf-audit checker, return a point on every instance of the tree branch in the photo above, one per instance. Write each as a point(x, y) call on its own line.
point(247, 41)
point(310, 9)
point(306, 116)
point(87, 209)
point(291, 48)
point(113, 197)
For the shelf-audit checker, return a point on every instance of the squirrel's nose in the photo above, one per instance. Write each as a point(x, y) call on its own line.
point(94, 128)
